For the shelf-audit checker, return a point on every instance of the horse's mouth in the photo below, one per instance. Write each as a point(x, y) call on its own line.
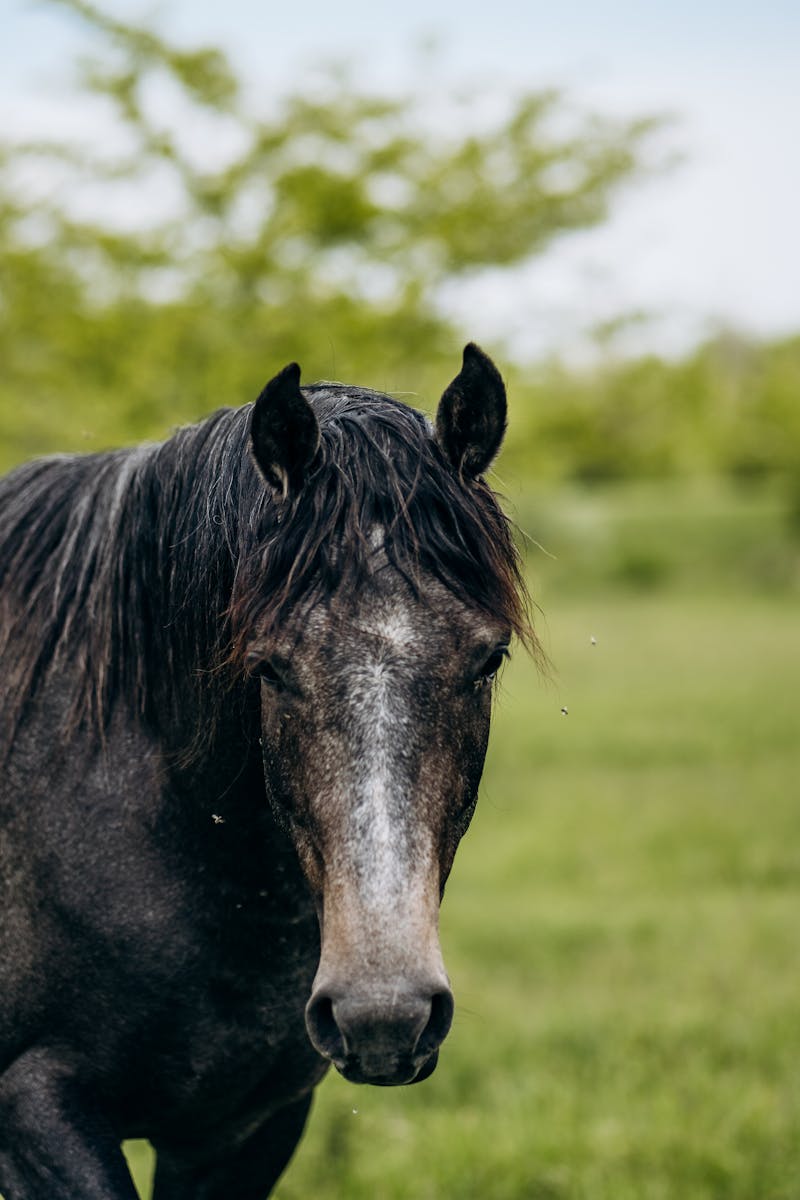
point(401, 1074)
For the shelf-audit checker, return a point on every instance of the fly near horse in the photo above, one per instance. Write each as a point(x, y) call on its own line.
point(247, 677)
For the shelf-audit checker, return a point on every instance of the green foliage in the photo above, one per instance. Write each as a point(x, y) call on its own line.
point(731, 408)
point(324, 231)
point(172, 264)
point(685, 535)
point(166, 269)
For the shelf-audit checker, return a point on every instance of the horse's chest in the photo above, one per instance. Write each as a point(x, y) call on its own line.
point(234, 1045)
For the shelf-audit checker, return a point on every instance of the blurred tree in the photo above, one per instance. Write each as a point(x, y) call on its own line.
point(166, 269)
point(728, 408)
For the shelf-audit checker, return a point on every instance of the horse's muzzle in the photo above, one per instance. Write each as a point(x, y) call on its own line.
point(387, 1040)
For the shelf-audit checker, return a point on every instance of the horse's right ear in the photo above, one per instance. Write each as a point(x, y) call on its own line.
point(284, 433)
point(471, 419)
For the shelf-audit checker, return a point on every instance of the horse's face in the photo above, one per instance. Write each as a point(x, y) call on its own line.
point(374, 726)
point(375, 713)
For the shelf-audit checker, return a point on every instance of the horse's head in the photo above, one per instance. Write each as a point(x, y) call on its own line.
point(376, 686)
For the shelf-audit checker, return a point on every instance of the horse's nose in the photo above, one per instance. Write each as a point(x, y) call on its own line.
point(385, 1038)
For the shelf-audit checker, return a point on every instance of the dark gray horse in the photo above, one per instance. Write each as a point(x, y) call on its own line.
point(246, 685)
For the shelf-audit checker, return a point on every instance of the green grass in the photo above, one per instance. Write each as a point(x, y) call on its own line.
point(622, 928)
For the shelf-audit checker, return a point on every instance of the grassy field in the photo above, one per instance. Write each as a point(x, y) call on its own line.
point(622, 928)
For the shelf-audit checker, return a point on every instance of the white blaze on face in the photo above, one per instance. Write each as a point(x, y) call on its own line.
point(380, 823)
point(381, 887)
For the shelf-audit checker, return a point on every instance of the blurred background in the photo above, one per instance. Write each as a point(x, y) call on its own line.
point(606, 198)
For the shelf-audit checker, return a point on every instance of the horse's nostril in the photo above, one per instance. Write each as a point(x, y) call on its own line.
point(439, 1022)
point(322, 1028)
point(379, 1037)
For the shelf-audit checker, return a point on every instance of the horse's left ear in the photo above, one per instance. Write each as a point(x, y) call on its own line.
point(471, 419)
point(284, 433)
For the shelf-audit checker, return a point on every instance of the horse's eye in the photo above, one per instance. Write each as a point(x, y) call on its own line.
point(264, 669)
point(491, 666)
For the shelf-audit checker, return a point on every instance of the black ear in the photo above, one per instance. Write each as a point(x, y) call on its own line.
point(471, 418)
point(284, 434)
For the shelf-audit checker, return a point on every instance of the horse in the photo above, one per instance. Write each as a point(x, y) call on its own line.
point(247, 678)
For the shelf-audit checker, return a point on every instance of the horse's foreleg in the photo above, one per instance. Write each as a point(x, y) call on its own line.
point(55, 1143)
point(248, 1172)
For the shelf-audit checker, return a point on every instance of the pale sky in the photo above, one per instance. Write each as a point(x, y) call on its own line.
point(713, 243)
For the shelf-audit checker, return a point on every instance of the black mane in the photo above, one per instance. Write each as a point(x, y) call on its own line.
point(125, 571)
